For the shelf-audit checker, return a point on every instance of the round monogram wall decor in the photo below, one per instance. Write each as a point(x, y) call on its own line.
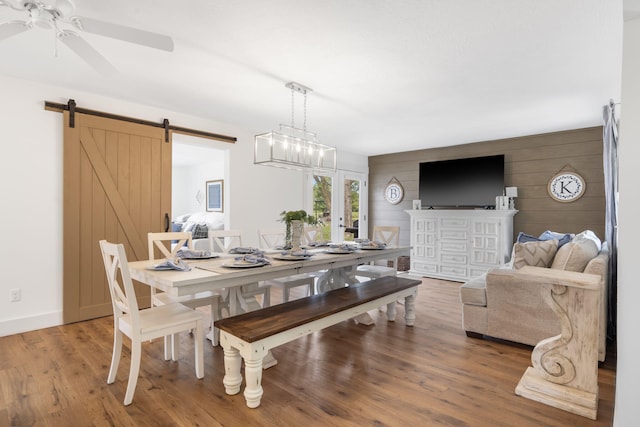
point(566, 187)
point(394, 192)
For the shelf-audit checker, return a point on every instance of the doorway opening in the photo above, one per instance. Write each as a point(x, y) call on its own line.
point(196, 161)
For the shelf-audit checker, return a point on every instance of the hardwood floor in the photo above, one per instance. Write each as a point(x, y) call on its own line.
point(346, 375)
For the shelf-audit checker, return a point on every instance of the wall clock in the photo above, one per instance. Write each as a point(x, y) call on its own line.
point(566, 187)
point(394, 192)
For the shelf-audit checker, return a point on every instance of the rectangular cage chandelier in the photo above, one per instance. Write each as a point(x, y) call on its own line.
point(294, 148)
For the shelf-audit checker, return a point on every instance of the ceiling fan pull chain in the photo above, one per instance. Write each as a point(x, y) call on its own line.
point(55, 39)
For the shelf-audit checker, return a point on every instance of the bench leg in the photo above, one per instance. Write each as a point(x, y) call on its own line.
point(253, 373)
point(232, 377)
point(409, 305)
point(391, 311)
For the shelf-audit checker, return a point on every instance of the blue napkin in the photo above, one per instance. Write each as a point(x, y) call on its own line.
point(373, 243)
point(187, 253)
point(241, 250)
point(255, 258)
point(176, 263)
point(317, 244)
point(297, 253)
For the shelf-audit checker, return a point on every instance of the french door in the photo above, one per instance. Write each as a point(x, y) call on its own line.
point(340, 201)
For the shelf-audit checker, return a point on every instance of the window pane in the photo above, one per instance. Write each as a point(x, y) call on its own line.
point(322, 203)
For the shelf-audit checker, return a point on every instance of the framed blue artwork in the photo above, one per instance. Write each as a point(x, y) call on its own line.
point(214, 196)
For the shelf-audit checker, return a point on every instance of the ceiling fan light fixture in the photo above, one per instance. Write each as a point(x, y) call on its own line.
point(48, 14)
point(294, 148)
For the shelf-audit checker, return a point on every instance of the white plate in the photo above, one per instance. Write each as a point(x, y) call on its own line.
point(291, 257)
point(339, 251)
point(243, 264)
point(159, 267)
point(202, 257)
point(316, 245)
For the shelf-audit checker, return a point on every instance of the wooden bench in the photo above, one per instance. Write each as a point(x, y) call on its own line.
point(250, 336)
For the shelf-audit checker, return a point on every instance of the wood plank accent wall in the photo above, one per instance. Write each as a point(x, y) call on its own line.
point(530, 162)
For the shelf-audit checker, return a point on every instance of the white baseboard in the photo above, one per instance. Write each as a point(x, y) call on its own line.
point(30, 323)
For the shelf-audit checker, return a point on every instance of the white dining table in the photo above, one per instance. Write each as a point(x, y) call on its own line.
point(212, 275)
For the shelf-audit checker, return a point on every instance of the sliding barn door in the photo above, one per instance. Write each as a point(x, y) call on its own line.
point(117, 186)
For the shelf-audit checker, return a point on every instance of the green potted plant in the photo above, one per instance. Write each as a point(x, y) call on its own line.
point(294, 222)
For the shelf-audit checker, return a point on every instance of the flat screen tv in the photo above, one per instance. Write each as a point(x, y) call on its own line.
point(462, 183)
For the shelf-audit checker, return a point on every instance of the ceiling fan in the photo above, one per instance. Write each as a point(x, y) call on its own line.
point(47, 16)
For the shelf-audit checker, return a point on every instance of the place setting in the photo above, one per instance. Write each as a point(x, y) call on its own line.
point(175, 263)
point(316, 244)
point(341, 249)
point(244, 250)
point(370, 245)
point(293, 255)
point(189, 254)
point(251, 260)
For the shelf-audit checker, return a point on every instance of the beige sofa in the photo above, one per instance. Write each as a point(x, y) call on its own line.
point(503, 304)
point(209, 220)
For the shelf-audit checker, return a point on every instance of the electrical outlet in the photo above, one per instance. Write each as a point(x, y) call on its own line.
point(16, 295)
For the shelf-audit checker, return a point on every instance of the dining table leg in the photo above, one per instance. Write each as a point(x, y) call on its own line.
point(336, 278)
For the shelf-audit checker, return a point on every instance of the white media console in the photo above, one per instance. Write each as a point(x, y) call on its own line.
point(459, 244)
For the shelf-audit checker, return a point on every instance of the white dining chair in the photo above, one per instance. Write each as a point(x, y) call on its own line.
point(143, 325)
point(224, 241)
point(312, 234)
point(390, 236)
point(273, 238)
point(159, 242)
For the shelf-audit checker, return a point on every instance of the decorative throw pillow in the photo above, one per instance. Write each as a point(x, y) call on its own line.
point(524, 238)
point(575, 256)
point(563, 238)
point(537, 254)
point(588, 234)
point(200, 231)
point(176, 226)
point(547, 235)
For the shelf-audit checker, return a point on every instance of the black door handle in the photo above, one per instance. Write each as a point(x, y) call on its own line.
point(166, 222)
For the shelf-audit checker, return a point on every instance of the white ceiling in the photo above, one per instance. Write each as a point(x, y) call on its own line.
point(387, 76)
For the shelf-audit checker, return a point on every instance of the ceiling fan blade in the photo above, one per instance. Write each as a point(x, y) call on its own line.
point(87, 52)
point(12, 28)
point(127, 34)
point(9, 4)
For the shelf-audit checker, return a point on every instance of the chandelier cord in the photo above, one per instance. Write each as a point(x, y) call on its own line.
point(292, 107)
point(304, 124)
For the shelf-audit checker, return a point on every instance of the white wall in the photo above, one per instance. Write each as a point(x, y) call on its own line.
point(187, 181)
point(627, 410)
point(32, 193)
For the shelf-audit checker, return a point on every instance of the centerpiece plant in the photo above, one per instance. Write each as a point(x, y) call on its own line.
point(294, 222)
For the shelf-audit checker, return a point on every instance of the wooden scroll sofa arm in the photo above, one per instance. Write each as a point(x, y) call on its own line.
point(519, 312)
point(565, 367)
